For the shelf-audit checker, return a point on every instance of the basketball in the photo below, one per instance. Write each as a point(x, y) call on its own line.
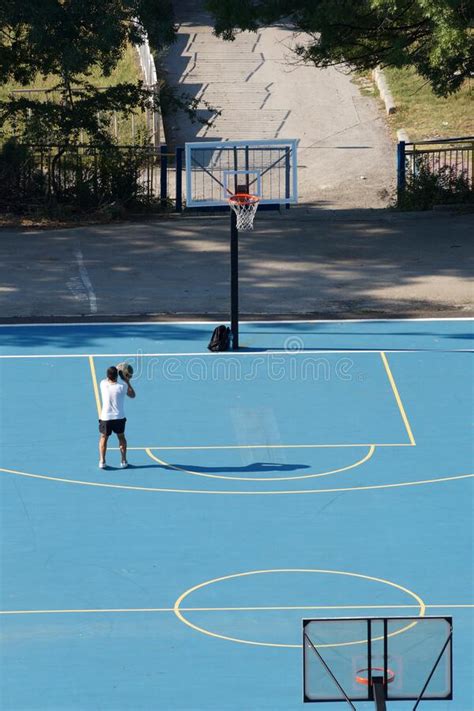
point(125, 370)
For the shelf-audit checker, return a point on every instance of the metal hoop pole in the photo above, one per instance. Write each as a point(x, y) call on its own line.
point(379, 693)
point(234, 281)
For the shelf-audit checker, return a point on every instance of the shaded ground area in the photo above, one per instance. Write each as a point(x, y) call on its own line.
point(345, 264)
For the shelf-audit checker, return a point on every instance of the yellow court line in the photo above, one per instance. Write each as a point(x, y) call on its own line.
point(178, 610)
point(397, 397)
point(94, 385)
point(130, 487)
point(282, 608)
point(175, 467)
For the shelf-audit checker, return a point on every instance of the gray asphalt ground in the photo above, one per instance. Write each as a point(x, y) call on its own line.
point(301, 262)
point(346, 157)
point(329, 257)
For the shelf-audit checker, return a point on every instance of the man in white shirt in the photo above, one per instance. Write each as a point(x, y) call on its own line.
point(112, 416)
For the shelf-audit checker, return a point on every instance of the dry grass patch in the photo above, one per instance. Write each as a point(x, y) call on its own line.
point(423, 114)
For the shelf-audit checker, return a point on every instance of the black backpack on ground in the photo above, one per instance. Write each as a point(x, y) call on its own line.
point(220, 339)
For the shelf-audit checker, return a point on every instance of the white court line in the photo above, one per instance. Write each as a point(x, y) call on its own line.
point(239, 354)
point(242, 322)
point(85, 279)
point(231, 609)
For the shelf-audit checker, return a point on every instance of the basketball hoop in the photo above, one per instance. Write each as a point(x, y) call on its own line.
point(245, 206)
point(362, 675)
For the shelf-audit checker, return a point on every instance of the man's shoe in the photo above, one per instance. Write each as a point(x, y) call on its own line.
point(102, 465)
point(124, 465)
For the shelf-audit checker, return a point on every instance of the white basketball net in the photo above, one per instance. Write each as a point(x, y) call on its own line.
point(245, 206)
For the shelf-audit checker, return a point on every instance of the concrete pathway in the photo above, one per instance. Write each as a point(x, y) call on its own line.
point(346, 157)
point(347, 264)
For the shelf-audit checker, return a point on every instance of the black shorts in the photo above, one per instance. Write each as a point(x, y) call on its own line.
point(106, 427)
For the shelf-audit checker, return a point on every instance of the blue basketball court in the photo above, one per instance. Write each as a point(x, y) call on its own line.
point(324, 470)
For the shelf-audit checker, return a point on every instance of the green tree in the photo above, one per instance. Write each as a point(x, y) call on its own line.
point(434, 36)
point(65, 39)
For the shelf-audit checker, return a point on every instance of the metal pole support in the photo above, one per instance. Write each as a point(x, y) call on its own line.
point(163, 175)
point(234, 281)
point(379, 693)
point(401, 169)
point(179, 179)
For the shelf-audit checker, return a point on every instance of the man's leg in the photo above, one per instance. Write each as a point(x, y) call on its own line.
point(123, 447)
point(102, 448)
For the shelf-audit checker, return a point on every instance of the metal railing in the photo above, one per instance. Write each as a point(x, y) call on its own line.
point(150, 80)
point(437, 155)
point(87, 176)
point(147, 63)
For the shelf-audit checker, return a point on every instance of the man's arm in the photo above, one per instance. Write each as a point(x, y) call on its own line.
point(130, 391)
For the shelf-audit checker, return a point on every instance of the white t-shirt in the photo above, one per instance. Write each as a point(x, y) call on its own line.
point(113, 396)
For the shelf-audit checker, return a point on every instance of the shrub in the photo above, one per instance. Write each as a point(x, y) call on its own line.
point(79, 178)
point(22, 182)
point(429, 185)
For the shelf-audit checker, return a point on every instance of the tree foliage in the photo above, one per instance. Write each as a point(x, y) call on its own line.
point(66, 39)
point(434, 36)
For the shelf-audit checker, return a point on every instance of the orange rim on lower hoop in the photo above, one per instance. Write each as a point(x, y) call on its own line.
point(365, 679)
point(244, 199)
